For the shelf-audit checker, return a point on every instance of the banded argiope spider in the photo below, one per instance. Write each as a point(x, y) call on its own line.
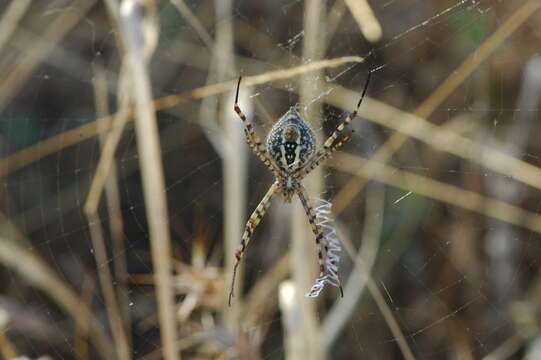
point(290, 154)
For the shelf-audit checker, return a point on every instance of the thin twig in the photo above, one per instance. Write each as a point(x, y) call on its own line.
point(271, 76)
point(109, 145)
point(106, 282)
point(390, 320)
point(116, 223)
point(194, 22)
point(80, 347)
point(102, 265)
point(151, 171)
point(376, 294)
point(101, 257)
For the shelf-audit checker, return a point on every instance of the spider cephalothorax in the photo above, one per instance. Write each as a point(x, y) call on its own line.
point(290, 155)
point(291, 144)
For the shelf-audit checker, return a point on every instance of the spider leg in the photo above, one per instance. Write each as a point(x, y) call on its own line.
point(251, 137)
point(321, 156)
point(329, 146)
point(301, 192)
point(331, 139)
point(252, 223)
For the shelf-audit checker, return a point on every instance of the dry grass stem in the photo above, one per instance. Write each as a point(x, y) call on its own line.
point(506, 349)
point(334, 19)
point(454, 80)
point(302, 340)
point(439, 138)
point(116, 223)
point(38, 274)
point(487, 48)
point(98, 242)
point(390, 319)
point(80, 347)
point(71, 137)
point(365, 18)
point(433, 189)
point(40, 48)
point(7, 349)
point(445, 140)
point(501, 264)
point(110, 143)
point(376, 294)
point(235, 157)
point(342, 311)
point(271, 76)
point(11, 18)
point(461, 124)
point(194, 22)
point(181, 344)
point(148, 145)
point(50, 146)
point(106, 282)
point(291, 316)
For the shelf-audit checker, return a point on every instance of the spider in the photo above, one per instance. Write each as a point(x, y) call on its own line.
point(290, 154)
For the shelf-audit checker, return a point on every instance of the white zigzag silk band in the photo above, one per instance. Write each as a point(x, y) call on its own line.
point(325, 224)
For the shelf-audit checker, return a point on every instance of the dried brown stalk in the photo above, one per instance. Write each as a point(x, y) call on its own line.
point(36, 51)
point(450, 194)
point(302, 340)
point(38, 274)
point(116, 223)
point(148, 145)
point(11, 18)
point(454, 80)
point(71, 137)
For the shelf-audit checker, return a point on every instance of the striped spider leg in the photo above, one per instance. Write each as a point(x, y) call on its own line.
point(251, 137)
point(252, 223)
point(309, 210)
point(290, 153)
point(329, 146)
point(254, 142)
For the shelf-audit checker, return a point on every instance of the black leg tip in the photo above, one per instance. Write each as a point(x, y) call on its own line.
point(237, 94)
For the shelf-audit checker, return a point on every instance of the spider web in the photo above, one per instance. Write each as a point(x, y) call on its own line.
point(441, 251)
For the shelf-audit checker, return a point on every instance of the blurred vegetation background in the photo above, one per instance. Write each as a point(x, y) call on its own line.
point(117, 237)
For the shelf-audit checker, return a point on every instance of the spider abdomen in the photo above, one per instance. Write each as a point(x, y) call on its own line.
point(291, 141)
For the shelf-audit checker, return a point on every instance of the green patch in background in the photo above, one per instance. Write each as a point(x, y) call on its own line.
point(471, 27)
point(21, 131)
